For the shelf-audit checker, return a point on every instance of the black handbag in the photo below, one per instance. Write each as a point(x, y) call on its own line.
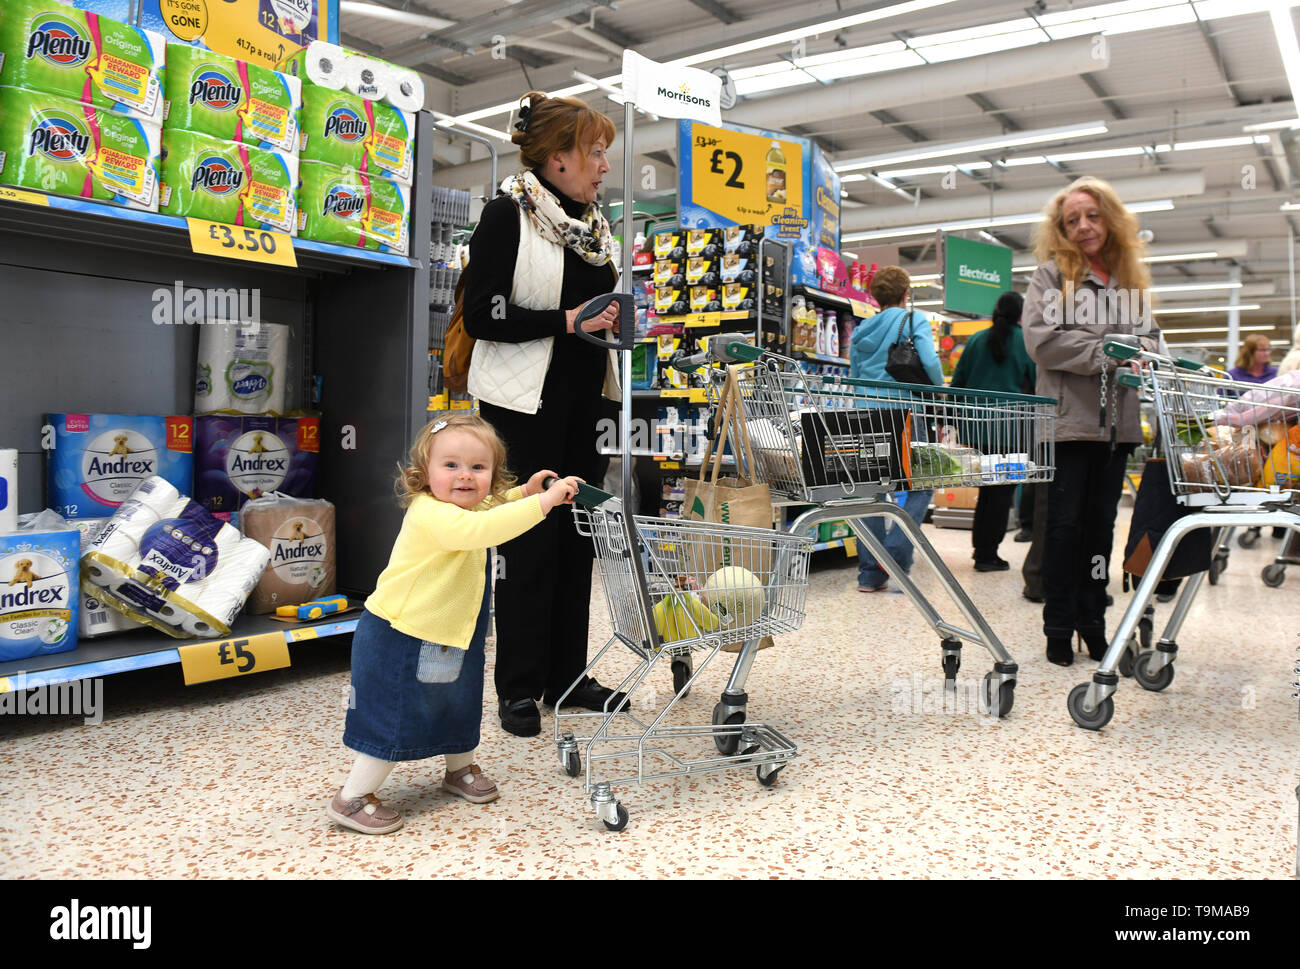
point(1155, 510)
point(904, 363)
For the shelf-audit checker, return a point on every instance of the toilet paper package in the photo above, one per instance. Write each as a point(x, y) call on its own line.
point(350, 208)
point(38, 592)
point(343, 129)
point(300, 534)
point(166, 562)
point(224, 181)
point(98, 459)
point(8, 489)
point(238, 458)
point(232, 99)
point(77, 54)
point(55, 145)
point(331, 67)
point(242, 367)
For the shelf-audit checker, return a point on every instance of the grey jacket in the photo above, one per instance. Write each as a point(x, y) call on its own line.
point(1066, 342)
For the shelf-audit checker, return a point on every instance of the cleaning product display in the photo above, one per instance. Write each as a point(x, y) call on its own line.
point(238, 458)
point(300, 534)
point(333, 68)
point(98, 460)
point(350, 208)
point(54, 144)
point(233, 100)
point(38, 588)
point(165, 561)
point(346, 130)
point(222, 181)
point(242, 367)
point(77, 54)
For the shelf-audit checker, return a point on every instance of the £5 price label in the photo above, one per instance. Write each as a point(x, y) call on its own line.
point(225, 658)
point(242, 242)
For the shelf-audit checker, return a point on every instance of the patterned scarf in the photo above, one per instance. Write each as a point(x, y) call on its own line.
point(588, 236)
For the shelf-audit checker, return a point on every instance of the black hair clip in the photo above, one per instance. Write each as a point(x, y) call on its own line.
point(525, 112)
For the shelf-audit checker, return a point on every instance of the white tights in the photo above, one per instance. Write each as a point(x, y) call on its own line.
point(369, 773)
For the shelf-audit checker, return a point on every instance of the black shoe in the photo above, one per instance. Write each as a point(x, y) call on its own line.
point(1059, 651)
point(1165, 596)
point(994, 564)
point(1024, 535)
point(520, 717)
point(589, 695)
point(1097, 646)
point(1032, 597)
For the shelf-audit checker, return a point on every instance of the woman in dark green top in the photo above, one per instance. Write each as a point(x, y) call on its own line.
point(995, 359)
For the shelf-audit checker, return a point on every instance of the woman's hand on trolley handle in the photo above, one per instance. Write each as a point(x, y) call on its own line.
point(607, 320)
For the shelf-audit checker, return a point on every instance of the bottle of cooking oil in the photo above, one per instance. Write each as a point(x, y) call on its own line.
point(776, 185)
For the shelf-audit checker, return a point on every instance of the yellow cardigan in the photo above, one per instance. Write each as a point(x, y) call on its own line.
point(433, 584)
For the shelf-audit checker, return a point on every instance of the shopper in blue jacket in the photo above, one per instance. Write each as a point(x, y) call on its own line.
point(868, 354)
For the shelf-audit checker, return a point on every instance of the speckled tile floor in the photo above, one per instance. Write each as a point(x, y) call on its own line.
point(230, 780)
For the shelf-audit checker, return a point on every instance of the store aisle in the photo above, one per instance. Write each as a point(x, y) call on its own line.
point(230, 780)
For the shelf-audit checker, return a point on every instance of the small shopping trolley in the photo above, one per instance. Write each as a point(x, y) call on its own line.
point(843, 445)
point(1233, 454)
point(676, 588)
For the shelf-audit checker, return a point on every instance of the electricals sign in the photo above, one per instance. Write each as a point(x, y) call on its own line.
point(975, 274)
point(264, 32)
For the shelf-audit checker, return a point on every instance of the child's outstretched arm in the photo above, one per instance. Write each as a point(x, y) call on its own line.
point(456, 529)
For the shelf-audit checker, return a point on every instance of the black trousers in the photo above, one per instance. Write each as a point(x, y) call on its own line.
point(1025, 514)
point(1081, 509)
point(991, 510)
point(543, 588)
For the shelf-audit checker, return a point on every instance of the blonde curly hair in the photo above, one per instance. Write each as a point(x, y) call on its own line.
point(1122, 251)
point(413, 477)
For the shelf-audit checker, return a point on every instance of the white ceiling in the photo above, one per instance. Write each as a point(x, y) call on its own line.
point(1165, 85)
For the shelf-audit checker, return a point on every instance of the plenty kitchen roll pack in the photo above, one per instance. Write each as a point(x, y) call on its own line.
point(98, 459)
point(343, 129)
point(242, 367)
point(331, 67)
point(300, 534)
point(239, 458)
point(225, 181)
point(350, 208)
point(165, 561)
point(232, 99)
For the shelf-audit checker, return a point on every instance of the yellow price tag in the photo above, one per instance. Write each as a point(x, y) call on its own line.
point(307, 632)
point(241, 242)
point(704, 319)
point(670, 465)
point(675, 392)
point(4, 684)
point(223, 658)
point(462, 405)
point(438, 403)
point(18, 195)
point(860, 309)
point(851, 548)
point(698, 395)
point(746, 178)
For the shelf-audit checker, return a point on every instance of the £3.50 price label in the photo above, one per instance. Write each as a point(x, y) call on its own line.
point(18, 195)
point(223, 658)
point(242, 242)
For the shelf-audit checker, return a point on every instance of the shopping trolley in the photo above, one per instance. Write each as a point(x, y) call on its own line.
point(675, 588)
point(1211, 431)
point(845, 444)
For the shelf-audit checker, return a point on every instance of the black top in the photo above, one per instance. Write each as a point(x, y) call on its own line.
point(492, 252)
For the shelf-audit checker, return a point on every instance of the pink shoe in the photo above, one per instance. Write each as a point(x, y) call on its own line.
point(471, 784)
point(366, 814)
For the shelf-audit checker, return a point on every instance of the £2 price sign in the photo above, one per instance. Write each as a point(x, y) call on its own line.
point(242, 242)
point(745, 178)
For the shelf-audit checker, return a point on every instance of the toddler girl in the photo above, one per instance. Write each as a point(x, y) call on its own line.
point(417, 654)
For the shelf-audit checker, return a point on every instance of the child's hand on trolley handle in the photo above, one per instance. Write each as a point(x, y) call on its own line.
point(553, 489)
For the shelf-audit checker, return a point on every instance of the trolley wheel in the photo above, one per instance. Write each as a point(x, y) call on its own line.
point(1274, 575)
point(573, 763)
point(1149, 679)
point(1089, 721)
point(1005, 698)
point(681, 676)
point(1126, 661)
point(727, 743)
point(618, 825)
point(1145, 627)
point(1248, 538)
point(768, 779)
point(1217, 565)
point(951, 664)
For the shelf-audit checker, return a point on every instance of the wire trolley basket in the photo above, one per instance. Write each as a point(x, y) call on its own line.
point(677, 587)
point(818, 438)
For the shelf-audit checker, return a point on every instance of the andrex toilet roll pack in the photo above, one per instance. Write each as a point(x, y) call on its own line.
point(350, 208)
point(56, 145)
point(224, 181)
point(164, 561)
point(346, 130)
point(99, 459)
point(38, 593)
point(51, 47)
point(232, 99)
point(300, 534)
point(238, 458)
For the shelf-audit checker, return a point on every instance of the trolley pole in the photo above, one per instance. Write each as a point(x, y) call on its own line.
point(625, 286)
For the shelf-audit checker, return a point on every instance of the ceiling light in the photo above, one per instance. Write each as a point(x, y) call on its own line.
point(926, 276)
point(1272, 125)
point(1216, 143)
point(1212, 345)
point(857, 177)
point(1289, 206)
point(426, 21)
point(1284, 29)
point(470, 126)
point(1176, 257)
point(1191, 287)
point(1117, 18)
point(1216, 329)
point(886, 183)
point(1206, 309)
point(973, 166)
point(1063, 133)
point(1162, 205)
point(927, 302)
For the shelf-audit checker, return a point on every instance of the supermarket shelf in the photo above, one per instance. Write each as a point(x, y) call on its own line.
point(147, 648)
point(110, 225)
point(821, 358)
point(857, 305)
